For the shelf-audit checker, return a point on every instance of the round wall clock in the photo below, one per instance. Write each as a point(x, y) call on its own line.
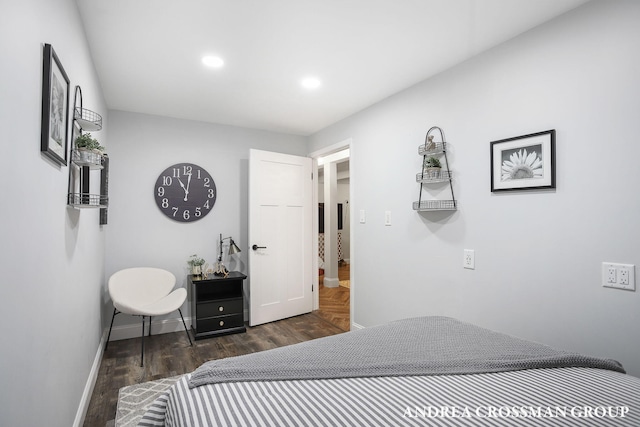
point(185, 192)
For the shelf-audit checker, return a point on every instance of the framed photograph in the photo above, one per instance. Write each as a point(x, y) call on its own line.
point(524, 162)
point(55, 107)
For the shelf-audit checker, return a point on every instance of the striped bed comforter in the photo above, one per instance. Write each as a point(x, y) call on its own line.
point(535, 397)
point(430, 371)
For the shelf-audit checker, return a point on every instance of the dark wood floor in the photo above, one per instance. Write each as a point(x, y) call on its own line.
point(170, 354)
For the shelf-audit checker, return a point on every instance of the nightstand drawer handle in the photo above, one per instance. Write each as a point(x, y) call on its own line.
point(222, 323)
point(221, 308)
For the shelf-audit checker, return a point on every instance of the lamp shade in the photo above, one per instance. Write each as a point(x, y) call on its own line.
point(233, 248)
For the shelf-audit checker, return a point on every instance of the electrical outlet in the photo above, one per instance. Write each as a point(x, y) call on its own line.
point(624, 276)
point(469, 260)
point(619, 276)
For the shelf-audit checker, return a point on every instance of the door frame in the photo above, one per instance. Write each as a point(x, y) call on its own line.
point(325, 151)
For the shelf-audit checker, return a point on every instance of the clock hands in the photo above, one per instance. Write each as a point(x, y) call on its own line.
point(186, 189)
point(186, 192)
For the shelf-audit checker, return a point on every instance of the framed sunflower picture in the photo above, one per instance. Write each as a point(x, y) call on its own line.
point(524, 162)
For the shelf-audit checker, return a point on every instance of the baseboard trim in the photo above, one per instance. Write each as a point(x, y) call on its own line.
point(331, 282)
point(355, 325)
point(125, 332)
point(120, 333)
point(83, 407)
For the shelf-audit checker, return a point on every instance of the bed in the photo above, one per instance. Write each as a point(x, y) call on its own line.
point(427, 371)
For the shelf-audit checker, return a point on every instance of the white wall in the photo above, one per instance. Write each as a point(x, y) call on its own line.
point(141, 147)
point(52, 255)
point(538, 254)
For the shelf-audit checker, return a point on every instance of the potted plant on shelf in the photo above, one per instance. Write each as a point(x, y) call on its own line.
point(88, 147)
point(432, 166)
point(195, 262)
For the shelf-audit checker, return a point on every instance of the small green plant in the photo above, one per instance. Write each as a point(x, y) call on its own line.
point(85, 141)
point(195, 260)
point(432, 162)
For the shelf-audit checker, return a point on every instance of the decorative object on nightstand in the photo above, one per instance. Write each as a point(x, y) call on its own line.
point(217, 305)
point(87, 156)
point(434, 154)
point(195, 262)
point(220, 269)
point(185, 192)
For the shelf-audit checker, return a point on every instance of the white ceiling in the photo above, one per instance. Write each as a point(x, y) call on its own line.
point(148, 53)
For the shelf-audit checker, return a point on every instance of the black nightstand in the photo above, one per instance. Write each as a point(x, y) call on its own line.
point(217, 305)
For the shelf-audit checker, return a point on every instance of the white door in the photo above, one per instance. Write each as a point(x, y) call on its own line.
point(280, 232)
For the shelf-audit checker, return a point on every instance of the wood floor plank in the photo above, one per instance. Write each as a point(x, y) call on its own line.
point(168, 355)
point(334, 303)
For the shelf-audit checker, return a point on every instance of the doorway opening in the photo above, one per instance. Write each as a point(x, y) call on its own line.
point(334, 248)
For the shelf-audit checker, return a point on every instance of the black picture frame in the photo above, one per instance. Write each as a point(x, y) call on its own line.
point(321, 217)
point(524, 162)
point(54, 140)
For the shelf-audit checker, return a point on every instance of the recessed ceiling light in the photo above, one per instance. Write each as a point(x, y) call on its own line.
point(212, 61)
point(310, 83)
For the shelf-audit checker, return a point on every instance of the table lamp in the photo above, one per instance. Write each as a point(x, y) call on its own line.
point(221, 270)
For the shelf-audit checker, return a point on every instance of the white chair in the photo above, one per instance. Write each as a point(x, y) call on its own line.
point(145, 292)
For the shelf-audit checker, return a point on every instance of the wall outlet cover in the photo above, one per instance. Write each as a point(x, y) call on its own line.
point(469, 260)
point(618, 276)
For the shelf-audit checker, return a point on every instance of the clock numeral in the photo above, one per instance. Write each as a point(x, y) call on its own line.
point(165, 203)
point(176, 172)
point(161, 192)
point(187, 170)
point(206, 205)
point(167, 180)
point(207, 182)
point(198, 213)
point(186, 215)
point(211, 193)
point(175, 211)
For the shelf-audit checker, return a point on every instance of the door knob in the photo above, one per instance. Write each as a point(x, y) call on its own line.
point(256, 247)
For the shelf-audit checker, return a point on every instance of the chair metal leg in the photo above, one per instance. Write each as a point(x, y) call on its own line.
point(142, 353)
point(185, 327)
point(110, 327)
point(149, 326)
